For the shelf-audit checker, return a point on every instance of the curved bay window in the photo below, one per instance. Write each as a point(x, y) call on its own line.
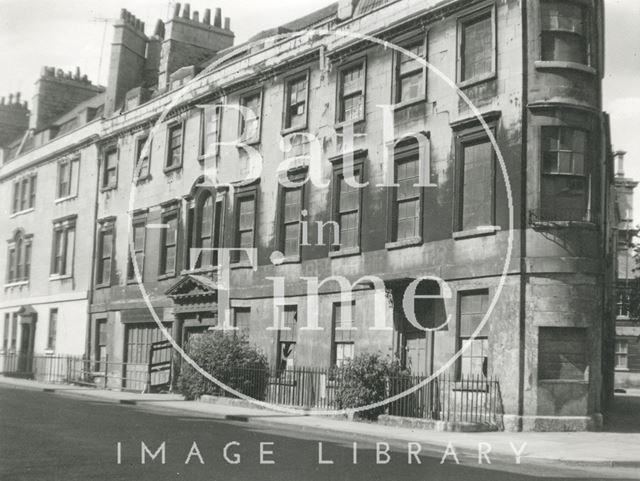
point(19, 261)
point(565, 32)
point(566, 183)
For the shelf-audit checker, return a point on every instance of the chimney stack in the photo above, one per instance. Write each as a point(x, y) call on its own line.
point(127, 66)
point(619, 156)
point(14, 119)
point(58, 92)
point(188, 41)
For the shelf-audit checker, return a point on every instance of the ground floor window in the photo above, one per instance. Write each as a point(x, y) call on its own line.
point(562, 354)
point(474, 360)
point(622, 353)
point(100, 353)
point(342, 333)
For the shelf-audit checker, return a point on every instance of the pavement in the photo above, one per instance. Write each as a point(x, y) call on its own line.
point(617, 447)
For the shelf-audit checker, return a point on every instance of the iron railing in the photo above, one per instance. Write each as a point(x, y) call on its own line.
point(562, 216)
point(65, 369)
point(450, 397)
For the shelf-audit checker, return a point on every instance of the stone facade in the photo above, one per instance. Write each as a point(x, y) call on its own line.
point(547, 302)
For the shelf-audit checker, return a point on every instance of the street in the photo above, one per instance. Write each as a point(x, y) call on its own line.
point(48, 436)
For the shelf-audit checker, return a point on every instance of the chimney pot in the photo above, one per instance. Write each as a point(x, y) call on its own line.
point(176, 10)
point(60, 73)
point(26, 105)
point(619, 155)
point(217, 19)
point(77, 76)
point(196, 16)
point(206, 18)
point(142, 26)
point(10, 99)
point(186, 11)
point(227, 23)
point(18, 98)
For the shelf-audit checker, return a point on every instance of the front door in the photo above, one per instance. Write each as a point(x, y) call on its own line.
point(25, 359)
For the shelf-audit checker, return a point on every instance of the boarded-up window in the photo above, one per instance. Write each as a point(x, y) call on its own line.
point(562, 354)
point(241, 320)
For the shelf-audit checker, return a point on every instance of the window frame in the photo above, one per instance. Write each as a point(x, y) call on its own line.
point(396, 83)
point(172, 210)
point(240, 195)
point(202, 146)
point(241, 121)
point(623, 352)
point(464, 21)
point(404, 151)
point(139, 220)
point(586, 176)
point(140, 141)
point(286, 117)
point(337, 176)
point(72, 191)
point(105, 227)
point(19, 258)
point(64, 227)
point(295, 175)
point(586, 357)
point(242, 331)
point(346, 335)
point(52, 331)
point(171, 127)
point(104, 186)
point(460, 338)
point(587, 37)
point(340, 98)
point(473, 135)
point(24, 195)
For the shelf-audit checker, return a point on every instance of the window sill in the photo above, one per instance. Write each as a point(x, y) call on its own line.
point(562, 381)
point(102, 286)
point(411, 241)
point(107, 189)
point(477, 80)
point(134, 281)
point(250, 142)
point(409, 103)
point(170, 170)
point(293, 130)
point(477, 232)
point(16, 284)
point(56, 277)
point(562, 65)
point(241, 265)
point(21, 212)
point(345, 123)
point(169, 275)
point(60, 200)
point(199, 270)
point(352, 251)
point(622, 369)
point(143, 180)
point(289, 260)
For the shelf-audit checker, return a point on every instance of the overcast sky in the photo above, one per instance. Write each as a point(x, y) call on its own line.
point(66, 34)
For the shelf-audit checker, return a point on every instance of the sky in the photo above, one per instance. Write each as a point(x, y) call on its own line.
point(70, 33)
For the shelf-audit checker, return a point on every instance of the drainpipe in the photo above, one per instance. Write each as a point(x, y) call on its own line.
point(87, 348)
point(523, 214)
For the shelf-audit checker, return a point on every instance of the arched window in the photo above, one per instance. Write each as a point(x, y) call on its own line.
point(204, 227)
point(19, 262)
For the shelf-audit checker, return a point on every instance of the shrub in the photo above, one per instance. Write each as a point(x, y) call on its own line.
point(228, 358)
point(365, 380)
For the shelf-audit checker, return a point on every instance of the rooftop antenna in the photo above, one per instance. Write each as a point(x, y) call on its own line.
point(106, 22)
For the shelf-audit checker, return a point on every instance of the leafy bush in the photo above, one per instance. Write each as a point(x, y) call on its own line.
point(228, 358)
point(365, 380)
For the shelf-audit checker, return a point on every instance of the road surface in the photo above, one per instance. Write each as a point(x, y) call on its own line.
point(49, 436)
